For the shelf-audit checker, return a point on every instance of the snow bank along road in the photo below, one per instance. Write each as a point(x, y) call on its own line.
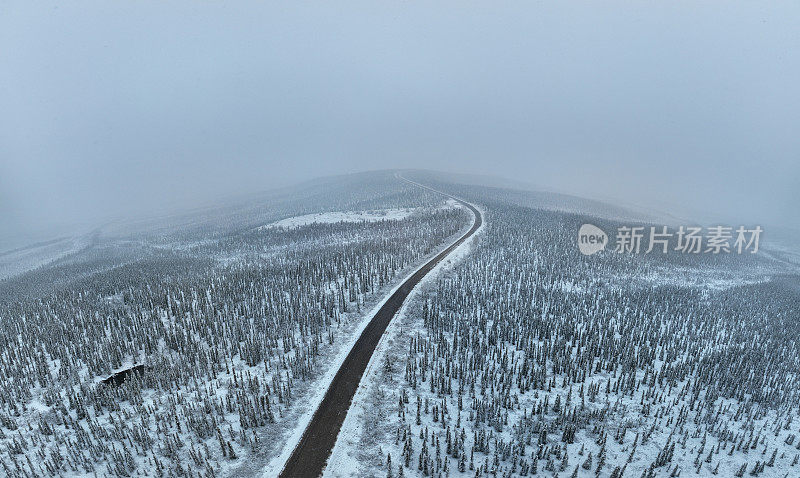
point(309, 457)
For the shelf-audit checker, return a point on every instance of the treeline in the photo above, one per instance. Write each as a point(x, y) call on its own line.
point(231, 333)
point(530, 357)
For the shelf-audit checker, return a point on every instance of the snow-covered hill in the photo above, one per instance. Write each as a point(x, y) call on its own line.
point(528, 358)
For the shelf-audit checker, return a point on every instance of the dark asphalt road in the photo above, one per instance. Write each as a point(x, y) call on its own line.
point(311, 454)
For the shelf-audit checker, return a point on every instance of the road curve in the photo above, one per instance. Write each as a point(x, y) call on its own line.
point(311, 454)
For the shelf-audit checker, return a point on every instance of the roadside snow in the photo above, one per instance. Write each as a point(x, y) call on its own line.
point(343, 461)
point(276, 464)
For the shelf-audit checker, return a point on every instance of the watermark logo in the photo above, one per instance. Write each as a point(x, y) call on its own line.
point(591, 239)
point(683, 240)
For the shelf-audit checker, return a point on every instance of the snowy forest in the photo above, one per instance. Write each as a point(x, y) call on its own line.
point(399, 239)
point(196, 346)
point(530, 359)
point(192, 353)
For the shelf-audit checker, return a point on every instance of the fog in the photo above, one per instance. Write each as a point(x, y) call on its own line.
point(111, 109)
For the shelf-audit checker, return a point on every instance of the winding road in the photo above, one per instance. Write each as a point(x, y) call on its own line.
point(311, 454)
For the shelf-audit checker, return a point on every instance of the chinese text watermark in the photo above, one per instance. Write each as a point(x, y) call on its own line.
point(662, 239)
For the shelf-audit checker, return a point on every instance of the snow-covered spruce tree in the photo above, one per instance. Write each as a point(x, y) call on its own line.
point(530, 346)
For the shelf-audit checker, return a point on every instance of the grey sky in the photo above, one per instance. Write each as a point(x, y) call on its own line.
point(110, 108)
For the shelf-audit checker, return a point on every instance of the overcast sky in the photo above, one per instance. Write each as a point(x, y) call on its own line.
point(110, 108)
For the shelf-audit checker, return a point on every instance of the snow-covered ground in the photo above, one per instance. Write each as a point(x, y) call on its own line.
point(640, 360)
point(356, 437)
point(334, 217)
point(466, 395)
point(341, 216)
point(335, 359)
point(698, 278)
point(236, 351)
point(377, 430)
point(21, 260)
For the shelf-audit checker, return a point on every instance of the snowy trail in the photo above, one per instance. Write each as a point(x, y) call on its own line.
point(309, 457)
